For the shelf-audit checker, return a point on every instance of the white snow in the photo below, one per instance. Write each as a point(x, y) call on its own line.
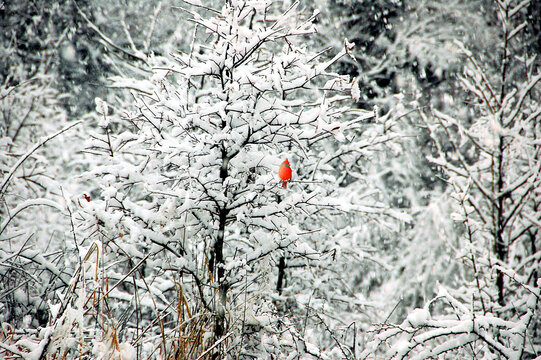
point(418, 317)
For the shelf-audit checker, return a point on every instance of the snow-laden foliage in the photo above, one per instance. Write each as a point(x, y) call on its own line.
point(409, 230)
point(31, 169)
point(191, 210)
point(491, 161)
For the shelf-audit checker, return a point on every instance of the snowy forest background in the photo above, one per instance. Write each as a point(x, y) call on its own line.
point(141, 213)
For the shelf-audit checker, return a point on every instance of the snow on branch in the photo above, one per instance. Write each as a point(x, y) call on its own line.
point(22, 159)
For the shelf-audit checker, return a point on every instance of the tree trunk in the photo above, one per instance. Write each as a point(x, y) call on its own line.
point(216, 265)
point(281, 271)
point(500, 248)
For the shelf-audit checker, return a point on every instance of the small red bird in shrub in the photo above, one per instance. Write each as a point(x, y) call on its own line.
point(285, 173)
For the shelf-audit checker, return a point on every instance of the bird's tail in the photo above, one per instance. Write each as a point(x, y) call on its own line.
point(284, 184)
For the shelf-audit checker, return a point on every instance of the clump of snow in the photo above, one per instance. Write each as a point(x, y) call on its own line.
point(127, 351)
point(401, 347)
point(418, 317)
point(54, 308)
point(68, 53)
point(101, 106)
point(111, 350)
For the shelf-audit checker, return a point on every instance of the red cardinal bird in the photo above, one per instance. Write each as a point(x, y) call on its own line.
point(285, 173)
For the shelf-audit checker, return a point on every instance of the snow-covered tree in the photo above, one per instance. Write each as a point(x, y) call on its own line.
point(180, 241)
point(491, 161)
point(191, 208)
point(48, 66)
point(406, 61)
